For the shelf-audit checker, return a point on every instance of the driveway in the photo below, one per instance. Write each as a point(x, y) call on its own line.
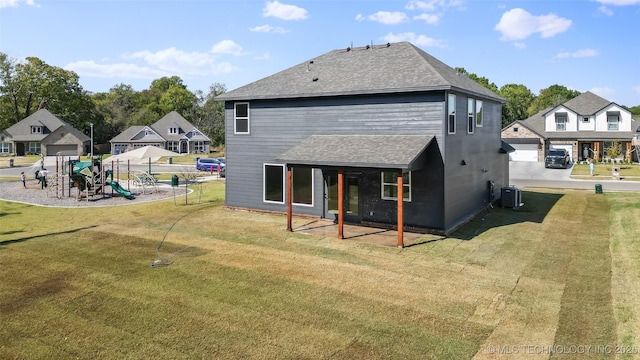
point(524, 174)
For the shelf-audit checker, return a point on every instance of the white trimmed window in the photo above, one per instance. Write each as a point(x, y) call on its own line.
point(451, 114)
point(273, 183)
point(241, 118)
point(172, 146)
point(5, 148)
point(613, 122)
point(390, 185)
point(198, 146)
point(561, 123)
point(470, 116)
point(173, 130)
point(302, 186)
point(36, 129)
point(34, 148)
point(479, 113)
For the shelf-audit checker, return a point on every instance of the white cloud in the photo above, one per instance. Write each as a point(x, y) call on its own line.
point(603, 92)
point(265, 56)
point(605, 10)
point(385, 17)
point(619, 2)
point(16, 3)
point(121, 70)
point(582, 53)
point(518, 24)
point(268, 29)
point(227, 47)
point(520, 45)
point(428, 18)
point(282, 11)
point(431, 5)
point(420, 40)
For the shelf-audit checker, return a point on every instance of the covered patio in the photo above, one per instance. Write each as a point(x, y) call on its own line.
point(390, 153)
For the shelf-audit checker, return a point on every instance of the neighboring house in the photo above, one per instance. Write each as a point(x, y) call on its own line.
point(172, 132)
point(586, 126)
point(43, 133)
point(381, 121)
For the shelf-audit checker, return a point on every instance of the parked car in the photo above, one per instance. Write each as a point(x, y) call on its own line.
point(209, 164)
point(557, 158)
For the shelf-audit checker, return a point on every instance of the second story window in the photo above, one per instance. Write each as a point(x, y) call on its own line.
point(36, 129)
point(561, 121)
point(613, 122)
point(173, 130)
point(451, 114)
point(479, 118)
point(241, 118)
point(470, 116)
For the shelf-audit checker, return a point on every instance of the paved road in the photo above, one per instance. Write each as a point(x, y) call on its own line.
point(533, 174)
point(50, 164)
point(522, 174)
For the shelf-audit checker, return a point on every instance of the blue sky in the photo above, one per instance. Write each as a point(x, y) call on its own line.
point(586, 45)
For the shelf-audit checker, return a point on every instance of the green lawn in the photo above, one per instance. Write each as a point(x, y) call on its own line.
point(561, 271)
point(628, 171)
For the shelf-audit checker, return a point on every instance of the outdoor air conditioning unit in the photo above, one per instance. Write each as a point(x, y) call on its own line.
point(511, 197)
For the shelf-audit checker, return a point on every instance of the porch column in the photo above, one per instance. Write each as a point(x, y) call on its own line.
point(596, 150)
point(340, 205)
point(627, 153)
point(289, 200)
point(400, 213)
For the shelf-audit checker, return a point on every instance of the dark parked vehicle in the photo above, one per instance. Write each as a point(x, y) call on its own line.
point(557, 158)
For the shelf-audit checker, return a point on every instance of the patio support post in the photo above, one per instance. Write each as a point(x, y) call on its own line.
point(400, 214)
point(340, 205)
point(289, 200)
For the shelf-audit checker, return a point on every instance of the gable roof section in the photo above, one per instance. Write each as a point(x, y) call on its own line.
point(369, 151)
point(170, 120)
point(21, 131)
point(587, 103)
point(392, 68)
point(128, 134)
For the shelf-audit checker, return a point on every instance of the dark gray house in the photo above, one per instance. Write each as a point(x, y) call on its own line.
point(341, 135)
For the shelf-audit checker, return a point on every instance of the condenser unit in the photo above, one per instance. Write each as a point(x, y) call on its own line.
point(511, 197)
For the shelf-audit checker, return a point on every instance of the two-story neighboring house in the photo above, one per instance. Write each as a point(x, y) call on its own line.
point(586, 126)
point(350, 132)
point(172, 132)
point(43, 133)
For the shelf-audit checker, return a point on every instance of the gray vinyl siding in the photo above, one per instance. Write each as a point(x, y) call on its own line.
point(277, 125)
point(466, 186)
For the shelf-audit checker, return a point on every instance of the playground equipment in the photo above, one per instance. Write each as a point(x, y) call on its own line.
point(90, 178)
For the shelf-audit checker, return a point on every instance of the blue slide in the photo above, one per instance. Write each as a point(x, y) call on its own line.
point(120, 190)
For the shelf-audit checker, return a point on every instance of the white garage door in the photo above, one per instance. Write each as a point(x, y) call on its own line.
point(62, 149)
point(569, 149)
point(524, 152)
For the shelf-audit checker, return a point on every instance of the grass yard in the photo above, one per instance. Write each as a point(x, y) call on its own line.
point(537, 282)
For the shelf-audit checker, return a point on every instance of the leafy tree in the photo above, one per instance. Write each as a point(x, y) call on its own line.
point(208, 114)
point(480, 80)
point(635, 110)
point(519, 98)
point(33, 84)
point(550, 97)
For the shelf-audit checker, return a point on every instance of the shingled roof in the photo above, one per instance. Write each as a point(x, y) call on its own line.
point(391, 68)
point(586, 103)
point(373, 151)
point(21, 131)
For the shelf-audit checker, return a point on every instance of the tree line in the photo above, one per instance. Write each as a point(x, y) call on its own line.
point(28, 86)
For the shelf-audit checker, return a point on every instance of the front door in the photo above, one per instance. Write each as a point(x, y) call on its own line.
point(351, 194)
point(586, 151)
